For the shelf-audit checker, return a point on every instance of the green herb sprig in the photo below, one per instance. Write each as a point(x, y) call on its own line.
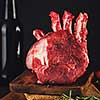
point(69, 97)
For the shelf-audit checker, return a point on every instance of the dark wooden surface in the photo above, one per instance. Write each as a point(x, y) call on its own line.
point(14, 96)
point(26, 83)
point(23, 85)
point(21, 96)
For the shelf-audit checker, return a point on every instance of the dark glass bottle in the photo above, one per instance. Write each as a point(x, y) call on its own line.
point(11, 43)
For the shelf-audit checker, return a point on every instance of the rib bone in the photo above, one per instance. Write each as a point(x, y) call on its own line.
point(80, 29)
point(38, 34)
point(55, 20)
point(67, 21)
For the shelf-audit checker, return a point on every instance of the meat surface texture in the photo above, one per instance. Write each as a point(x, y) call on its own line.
point(60, 57)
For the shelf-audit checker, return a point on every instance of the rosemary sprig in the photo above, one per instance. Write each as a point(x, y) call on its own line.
point(69, 97)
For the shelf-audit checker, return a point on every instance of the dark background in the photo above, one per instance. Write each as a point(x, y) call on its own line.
point(35, 14)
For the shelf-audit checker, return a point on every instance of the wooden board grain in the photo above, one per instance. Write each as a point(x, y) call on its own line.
point(41, 97)
point(14, 96)
point(27, 83)
point(91, 91)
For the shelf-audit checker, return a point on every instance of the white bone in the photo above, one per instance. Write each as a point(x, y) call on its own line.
point(38, 34)
point(67, 21)
point(80, 29)
point(55, 21)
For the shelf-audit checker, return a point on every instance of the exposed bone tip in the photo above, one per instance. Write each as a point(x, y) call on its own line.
point(38, 33)
point(34, 32)
point(80, 17)
point(86, 15)
point(81, 14)
point(55, 21)
point(52, 13)
point(67, 21)
point(67, 12)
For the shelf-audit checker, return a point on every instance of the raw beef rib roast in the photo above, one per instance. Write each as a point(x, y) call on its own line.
point(61, 56)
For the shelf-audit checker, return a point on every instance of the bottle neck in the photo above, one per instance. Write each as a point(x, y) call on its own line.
point(9, 11)
point(14, 9)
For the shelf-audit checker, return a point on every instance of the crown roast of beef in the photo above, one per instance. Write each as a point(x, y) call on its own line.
point(60, 56)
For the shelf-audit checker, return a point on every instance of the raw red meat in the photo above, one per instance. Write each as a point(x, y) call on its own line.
point(61, 56)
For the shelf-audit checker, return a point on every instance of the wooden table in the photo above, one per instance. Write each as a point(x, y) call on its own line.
point(25, 84)
point(21, 96)
point(14, 96)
